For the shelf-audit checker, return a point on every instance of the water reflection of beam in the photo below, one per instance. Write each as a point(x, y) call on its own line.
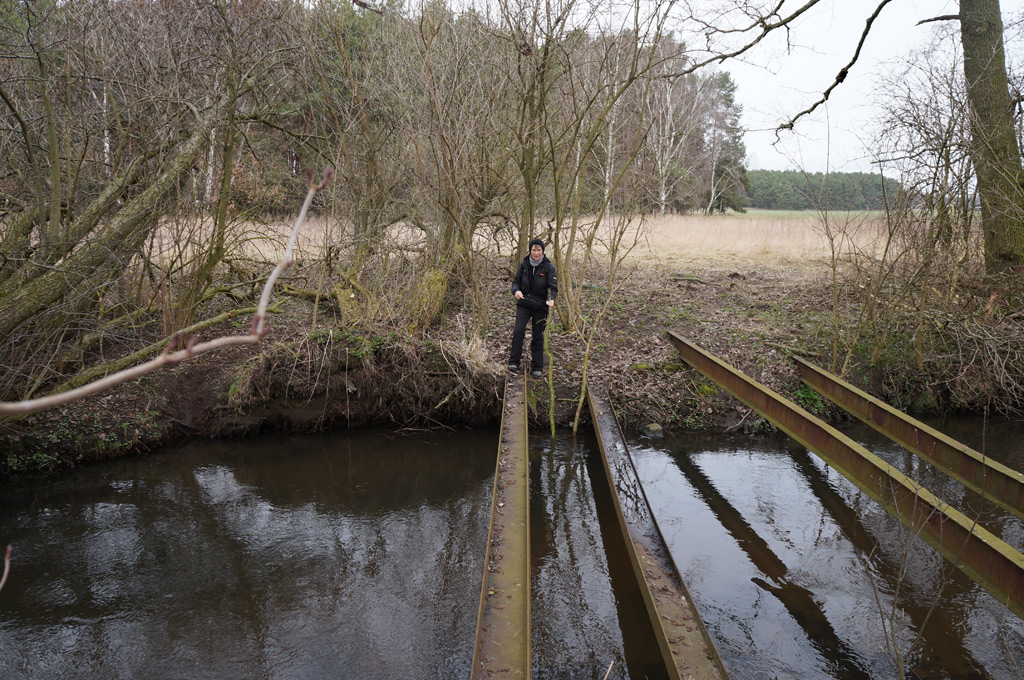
point(639, 640)
point(944, 642)
point(797, 600)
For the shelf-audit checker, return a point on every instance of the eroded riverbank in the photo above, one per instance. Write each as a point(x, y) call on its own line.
point(314, 371)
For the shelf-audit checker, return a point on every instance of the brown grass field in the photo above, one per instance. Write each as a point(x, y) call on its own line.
point(757, 236)
point(763, 236)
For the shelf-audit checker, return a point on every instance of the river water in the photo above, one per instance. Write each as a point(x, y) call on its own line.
point(359, 554)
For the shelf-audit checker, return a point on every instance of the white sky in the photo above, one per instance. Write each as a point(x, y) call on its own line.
point(775, 85)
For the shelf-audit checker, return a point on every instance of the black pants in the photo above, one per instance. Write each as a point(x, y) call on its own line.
point(540, 322)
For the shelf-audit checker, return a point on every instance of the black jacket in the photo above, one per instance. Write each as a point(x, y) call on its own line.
point(538, 284)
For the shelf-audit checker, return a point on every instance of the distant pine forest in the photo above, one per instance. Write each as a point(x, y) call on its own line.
point(794, 190)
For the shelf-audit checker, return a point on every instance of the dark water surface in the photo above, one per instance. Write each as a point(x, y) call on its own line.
point(345, 555)
point(359, 555)
point(341, 555)
point(798, 575)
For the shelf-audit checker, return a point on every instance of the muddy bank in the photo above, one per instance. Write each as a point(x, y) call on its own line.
point(305, 376)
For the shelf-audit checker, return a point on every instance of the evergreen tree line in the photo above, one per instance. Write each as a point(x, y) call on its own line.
point(794, 190)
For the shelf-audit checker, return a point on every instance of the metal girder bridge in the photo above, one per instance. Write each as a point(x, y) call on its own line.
point(687, 649)
point(990, 479)
point(983, 556)
point(502, 645)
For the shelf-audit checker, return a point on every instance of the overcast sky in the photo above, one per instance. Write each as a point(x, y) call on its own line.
point(775, 85)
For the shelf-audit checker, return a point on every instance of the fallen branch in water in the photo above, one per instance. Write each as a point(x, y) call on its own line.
point(192, 346)
point(7, 566)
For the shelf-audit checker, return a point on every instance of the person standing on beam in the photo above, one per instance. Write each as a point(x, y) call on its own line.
point(534, 286)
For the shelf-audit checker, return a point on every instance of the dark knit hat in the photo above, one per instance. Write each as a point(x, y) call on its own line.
point(537, 242)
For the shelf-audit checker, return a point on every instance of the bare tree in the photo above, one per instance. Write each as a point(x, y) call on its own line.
point(925, 138)
point(677, 106)
point(994, 151)
point(132, 76)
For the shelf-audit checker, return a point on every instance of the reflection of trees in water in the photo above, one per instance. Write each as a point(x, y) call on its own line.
point(388, 545)
point(367, 472)
point(319, 561)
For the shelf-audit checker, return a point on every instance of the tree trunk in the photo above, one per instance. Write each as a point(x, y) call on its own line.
point(994, 149)
point(118, 235)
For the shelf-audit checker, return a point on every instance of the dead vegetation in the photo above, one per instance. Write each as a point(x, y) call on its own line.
point(917, 336)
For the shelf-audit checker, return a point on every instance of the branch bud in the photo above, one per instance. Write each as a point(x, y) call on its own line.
point(173, 343)
point(327, 176)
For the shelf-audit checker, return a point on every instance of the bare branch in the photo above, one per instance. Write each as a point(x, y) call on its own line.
point(368, 6)
point(840, 77)
point(944, 17)
point(192, 345)
point(763, 27)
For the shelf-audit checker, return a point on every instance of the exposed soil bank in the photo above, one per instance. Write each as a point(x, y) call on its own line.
point(750, 314)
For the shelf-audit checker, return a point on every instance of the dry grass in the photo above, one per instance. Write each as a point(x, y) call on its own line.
point(763, 236)
point(759, 236)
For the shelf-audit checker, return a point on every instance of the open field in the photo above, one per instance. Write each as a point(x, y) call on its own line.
point(762, 236)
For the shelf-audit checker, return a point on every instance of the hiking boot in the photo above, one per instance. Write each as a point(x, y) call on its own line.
point(513, 367)
point(538, 374)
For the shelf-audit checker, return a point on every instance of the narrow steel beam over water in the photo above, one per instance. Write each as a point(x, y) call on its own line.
point(686, 648)
point(986, 558)
point(502, 648)
point(990, 479)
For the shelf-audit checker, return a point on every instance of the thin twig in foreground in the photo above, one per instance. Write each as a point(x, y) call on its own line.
point(192, 345)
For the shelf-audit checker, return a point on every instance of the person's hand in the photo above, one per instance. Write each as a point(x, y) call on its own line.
point(551, 303)
point(519, 295)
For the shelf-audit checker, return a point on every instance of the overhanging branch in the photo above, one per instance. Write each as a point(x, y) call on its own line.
point(840, 77)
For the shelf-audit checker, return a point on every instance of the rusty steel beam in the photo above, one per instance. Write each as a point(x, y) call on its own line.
point(986, 477)
point(986, 558)
point(687, 650)
point(502, 647)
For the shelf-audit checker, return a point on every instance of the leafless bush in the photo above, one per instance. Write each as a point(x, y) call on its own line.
point(924, 307)
point(924, 304)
